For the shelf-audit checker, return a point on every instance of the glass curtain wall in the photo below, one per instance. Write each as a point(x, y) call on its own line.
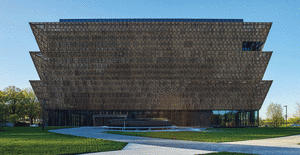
point(77, 118)
point(215, 118)
point(231, 118)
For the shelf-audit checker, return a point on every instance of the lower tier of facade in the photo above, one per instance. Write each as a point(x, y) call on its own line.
point(202, 118)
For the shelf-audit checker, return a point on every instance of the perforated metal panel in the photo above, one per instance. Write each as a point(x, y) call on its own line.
point(151, 65)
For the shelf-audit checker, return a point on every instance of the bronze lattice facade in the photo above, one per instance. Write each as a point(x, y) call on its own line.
point(195, 72)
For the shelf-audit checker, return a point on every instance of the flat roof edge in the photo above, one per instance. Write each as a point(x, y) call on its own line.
point(151, 20)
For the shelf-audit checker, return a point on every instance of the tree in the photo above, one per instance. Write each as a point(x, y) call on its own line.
point(294, 120)
point(2, 112)
point(274, 113)
point(297, 113)
point(32, 106)
point(2, 106)
point(13, 118)
point(261, 122)
point(14, 97)
point(1, 96)
point(296, 116)
point(19, 103)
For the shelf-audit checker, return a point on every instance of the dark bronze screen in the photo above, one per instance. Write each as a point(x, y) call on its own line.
point(151, 65)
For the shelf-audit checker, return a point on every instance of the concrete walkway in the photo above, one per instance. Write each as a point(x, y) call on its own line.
point(289, 141)
point(168, 145)
point(132, 148)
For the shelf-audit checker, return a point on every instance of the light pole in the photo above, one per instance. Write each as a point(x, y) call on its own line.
point(285, 115)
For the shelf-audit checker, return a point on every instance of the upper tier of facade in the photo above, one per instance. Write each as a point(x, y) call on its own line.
point(151, 20)
point(151, 65)
point(152, 50)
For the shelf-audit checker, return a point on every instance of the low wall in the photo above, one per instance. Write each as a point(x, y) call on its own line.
point(138, 123)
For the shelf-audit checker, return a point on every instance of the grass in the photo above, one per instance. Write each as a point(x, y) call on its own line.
point(219, 135)
point(283, 125)
point(228, 153)
point(30, 140)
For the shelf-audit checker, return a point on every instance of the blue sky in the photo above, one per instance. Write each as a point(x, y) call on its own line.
point(16, 38)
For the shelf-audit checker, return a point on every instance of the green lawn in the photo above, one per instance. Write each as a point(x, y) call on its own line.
point(29, 140)
point(219, 135)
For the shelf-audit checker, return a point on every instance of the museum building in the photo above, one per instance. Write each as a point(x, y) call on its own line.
point(193, 72)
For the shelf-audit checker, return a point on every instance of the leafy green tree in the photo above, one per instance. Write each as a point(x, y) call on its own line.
point(282, 121)
point(14, 118)
point(268, 122)
point(14, 97)
point(296, 116)
point(1, 96)
point(297, 113)
point(3, 107)
point(294, 120)
point(32, 106)
point(261, 122)
point(274, 113)
point(2, 112)
point(19, 103)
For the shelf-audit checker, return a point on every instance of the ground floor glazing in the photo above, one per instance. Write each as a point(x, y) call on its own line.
point(203, 118)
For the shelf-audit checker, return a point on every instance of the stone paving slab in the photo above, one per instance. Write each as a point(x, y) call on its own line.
point(241, 148)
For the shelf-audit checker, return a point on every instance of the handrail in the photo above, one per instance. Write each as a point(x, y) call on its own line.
point(124, 128)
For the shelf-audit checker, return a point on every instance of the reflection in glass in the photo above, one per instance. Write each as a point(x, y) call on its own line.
point(215, 118)
point(256, 119)
point(222, 117)
point(233, 118)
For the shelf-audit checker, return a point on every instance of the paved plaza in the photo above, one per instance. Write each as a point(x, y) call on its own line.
point(144, 145)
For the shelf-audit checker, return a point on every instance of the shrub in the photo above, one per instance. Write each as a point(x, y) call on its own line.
point(13, 118)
